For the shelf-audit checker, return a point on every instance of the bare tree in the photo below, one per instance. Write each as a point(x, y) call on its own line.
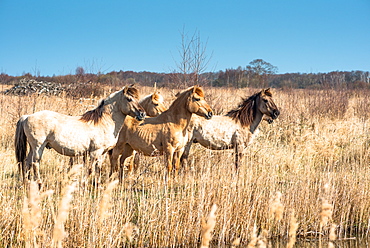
point(95, 66)
point(193, 59)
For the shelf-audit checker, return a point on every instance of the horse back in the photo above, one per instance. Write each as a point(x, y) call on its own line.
point(67, 135)
point(151, 136)
point(218, 133)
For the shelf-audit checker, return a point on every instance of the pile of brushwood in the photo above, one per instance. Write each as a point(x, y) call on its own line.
point(31, 86)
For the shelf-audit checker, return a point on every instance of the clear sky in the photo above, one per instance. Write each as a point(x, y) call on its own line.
point(49, 37)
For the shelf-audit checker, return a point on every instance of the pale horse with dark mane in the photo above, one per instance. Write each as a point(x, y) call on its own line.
point(93, 133)
point(236, 129)
point(165, 134)
point(153, 105)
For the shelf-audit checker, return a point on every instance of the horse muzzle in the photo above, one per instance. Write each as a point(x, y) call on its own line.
point(275, 114)
point(209, 115)
point(140, 116)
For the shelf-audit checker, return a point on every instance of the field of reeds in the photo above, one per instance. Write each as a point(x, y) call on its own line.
point(305, 177)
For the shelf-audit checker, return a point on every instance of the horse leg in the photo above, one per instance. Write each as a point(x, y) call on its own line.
point(21, 168)
point(136, 160)
point(176, 160)
point(185, 155)
point(131, 164)
point(36, 157)
point(169, 152)
point(76, 159)
point(237, 163)
point(113, 158)
point(127, 152)
point(238, 155)
point(96, 158)
point(26, 168)
point(70, 164)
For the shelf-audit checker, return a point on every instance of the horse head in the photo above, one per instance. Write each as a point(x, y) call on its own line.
point(157, 102)
point(197, 104)
point(130, 105)
point(266, 105)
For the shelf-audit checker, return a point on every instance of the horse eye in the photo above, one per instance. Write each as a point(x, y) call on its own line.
point(129, 99)
point(196, 99)
point(265, 100)
point(155, 104)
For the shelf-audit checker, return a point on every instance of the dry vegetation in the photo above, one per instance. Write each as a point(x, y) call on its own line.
point(307, 173)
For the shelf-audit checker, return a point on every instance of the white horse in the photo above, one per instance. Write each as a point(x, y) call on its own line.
point(93, 133)
point(236, 129)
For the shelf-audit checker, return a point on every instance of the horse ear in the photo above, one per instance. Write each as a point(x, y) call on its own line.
point(267, 92)
point(198, 90)
point(155, 97)
point(194, 88)
point(124, 90)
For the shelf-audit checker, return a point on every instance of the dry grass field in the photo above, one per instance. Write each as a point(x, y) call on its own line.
point(307, 175)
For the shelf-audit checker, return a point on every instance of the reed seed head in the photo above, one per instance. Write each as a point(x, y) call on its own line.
point(208, 226)
point(326, 213)
point(293, 226)
point(276, 207)
point(129, 230)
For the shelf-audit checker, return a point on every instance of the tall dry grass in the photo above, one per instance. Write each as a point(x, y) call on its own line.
point(316, 154)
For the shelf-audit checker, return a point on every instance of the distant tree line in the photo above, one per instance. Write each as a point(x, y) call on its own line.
point(240, 78)
point(257, 74)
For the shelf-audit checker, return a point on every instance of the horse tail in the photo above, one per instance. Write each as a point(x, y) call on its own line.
point(20, 141)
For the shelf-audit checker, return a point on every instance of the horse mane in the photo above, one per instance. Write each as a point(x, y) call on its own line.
point(185, 93)
point(94, 115)
point(245, 112)
point(97, 114)
point(144, 100)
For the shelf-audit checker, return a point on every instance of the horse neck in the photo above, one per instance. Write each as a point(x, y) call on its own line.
point(257, 118)
point(118, 120)
point(144, 102)
point(178, 113)
point(115, 115)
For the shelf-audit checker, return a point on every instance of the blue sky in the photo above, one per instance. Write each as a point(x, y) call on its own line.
point(49, 37)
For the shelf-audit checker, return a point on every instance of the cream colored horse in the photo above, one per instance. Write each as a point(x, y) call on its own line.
point(93, 133)
point(236, 129)
point(153, 105)
point(165, 134)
